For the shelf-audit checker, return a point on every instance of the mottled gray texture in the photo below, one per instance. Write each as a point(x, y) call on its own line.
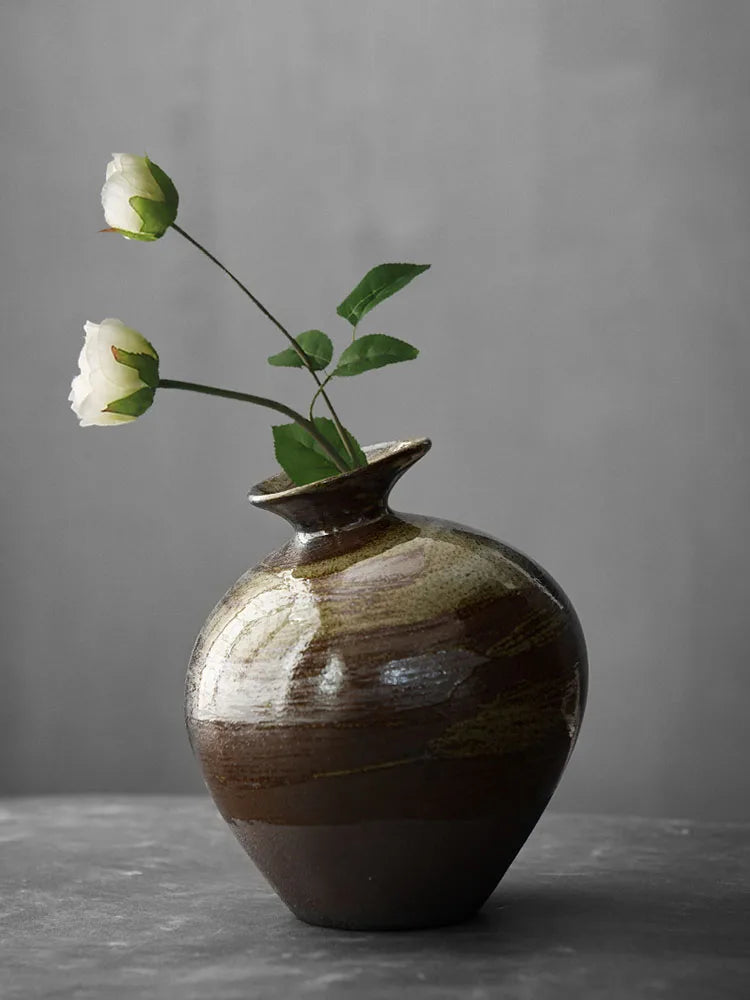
point(151, 898)
point(576, 172)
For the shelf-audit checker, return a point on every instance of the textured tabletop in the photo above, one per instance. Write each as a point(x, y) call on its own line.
point(108, 898)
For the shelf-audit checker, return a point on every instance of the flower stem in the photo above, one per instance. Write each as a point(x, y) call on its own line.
point(320, 392)
point(244, 288)
point(295, 346)
point(271, 404)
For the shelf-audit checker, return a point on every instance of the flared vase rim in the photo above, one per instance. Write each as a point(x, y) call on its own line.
point(269, 490)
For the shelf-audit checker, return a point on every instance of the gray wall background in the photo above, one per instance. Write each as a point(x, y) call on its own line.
point(578, 175)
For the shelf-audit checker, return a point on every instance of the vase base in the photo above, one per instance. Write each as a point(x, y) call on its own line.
point(396, 924)
point(392, 875)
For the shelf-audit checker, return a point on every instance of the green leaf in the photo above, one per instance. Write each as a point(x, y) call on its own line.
point(361, 458)
point(302, 458)
point(133, 405)
point(378, 284)
point(327, 428)
point(373, 351)
point(286, 359)
point(316, 345)
point(146, 365)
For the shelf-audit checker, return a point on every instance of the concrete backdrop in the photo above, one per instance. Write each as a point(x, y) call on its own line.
point(576, 173)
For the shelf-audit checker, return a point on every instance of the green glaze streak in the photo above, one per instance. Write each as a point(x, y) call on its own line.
point(516, 720)
point(399, 534)
point(539, 628)
point(370, 767)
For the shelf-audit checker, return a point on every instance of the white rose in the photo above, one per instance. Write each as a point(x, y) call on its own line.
point(138, 198)
point(118, 378)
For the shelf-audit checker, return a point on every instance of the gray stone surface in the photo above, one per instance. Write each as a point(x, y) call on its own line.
point(107, 898)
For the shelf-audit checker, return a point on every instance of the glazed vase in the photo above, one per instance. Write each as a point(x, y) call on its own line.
point(383, 707)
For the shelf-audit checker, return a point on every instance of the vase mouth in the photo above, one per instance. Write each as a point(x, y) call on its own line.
point(279, 487)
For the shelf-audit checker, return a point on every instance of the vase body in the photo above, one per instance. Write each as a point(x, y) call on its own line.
point(383, 708)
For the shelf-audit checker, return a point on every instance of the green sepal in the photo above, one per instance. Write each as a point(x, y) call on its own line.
point(133, 405)
point(373, 351)
point(301, 457)
point(316, 345)
point(143, 237)
point(146, 365)
point(171, 197)
point(157, 216)
point(378, 284)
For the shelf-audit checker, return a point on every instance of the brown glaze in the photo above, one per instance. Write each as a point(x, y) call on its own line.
point(383, 708)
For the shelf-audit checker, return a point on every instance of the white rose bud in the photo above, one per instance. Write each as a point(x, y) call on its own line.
point(138, 198)
point(118, 378)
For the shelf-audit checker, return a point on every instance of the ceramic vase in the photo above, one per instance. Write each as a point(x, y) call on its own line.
point(383, 708)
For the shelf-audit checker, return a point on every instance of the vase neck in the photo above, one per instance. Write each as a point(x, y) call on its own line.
point(346, 501)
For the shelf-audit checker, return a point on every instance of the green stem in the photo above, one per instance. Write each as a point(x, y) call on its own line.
point(245, 289)
point(271, 404)
point(320, 392)
point(337, 423)
point(295, 346)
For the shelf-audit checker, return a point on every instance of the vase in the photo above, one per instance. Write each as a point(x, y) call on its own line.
point(383, 707)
